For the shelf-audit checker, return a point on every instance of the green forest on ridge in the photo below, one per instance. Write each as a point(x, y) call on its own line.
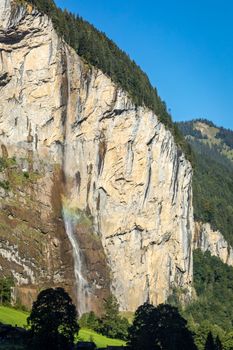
point(212, 180)
point(213, 203)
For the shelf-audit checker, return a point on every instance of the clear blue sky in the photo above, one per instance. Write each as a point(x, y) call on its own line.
point(185, 47)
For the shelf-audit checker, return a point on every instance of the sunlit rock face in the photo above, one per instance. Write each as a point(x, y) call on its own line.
point(208, 239)
point(112, 161)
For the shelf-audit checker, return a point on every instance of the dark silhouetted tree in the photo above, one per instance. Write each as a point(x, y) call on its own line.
point(159, 328)
point(172, 331)
point(142, 332)
point(53, 321)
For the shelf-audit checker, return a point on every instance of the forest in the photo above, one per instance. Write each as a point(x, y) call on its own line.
point(212, 180)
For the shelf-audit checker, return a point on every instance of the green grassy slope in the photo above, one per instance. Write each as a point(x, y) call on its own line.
point(19, 318)
point(98, 339)
point(13, 317)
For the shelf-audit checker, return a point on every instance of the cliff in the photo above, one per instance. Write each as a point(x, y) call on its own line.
point(95, 194)
point(206, 238)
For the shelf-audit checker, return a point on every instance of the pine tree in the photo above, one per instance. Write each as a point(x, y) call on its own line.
point(218, 344)
point(209, 345)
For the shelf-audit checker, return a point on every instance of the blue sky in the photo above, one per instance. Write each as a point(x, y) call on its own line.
point(185, 47)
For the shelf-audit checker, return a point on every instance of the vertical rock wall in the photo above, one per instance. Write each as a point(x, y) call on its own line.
point(208, 239)
point(119, 165)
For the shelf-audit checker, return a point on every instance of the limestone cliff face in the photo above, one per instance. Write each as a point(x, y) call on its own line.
point(97, 154)
point(205, 238)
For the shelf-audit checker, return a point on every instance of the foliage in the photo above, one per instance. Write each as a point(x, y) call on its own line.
point(212, 182)
point(89, 320)
point(6, 283)
point(213, 200)
point(226, 135)
point(228, 341)
point(6, 163)
point(5, 185)
point(213, 344)
point(187, 129)
point(53, 320)
point(202, 330)
point(213, 282)
point(218, 344)
point(111, 324)
point(159, 328)
point(101, 52)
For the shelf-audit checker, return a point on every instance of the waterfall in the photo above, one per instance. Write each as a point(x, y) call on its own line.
point(71, 217)
point(82, 286)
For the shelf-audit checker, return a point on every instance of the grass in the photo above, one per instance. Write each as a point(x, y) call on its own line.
point(100, 340)
point(16, 317)
point(12, 316)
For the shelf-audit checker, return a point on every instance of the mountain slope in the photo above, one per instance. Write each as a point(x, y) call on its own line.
point(213, 174)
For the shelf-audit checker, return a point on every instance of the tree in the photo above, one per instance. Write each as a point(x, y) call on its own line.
point(6, 283)
point(159, 328)
point(213, 282)
point(53, 321)
point(228, 341)
point(209, 345)
point(218, 344)
point(111, 323)
point(172, 331)
point(201, 331)
point(142, 332)
point(89, 320)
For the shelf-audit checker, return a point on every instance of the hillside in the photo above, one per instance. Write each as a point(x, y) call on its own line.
point(213, 174)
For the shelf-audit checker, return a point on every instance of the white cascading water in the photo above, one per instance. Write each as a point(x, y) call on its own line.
point(71, 218)
point(82, 286)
